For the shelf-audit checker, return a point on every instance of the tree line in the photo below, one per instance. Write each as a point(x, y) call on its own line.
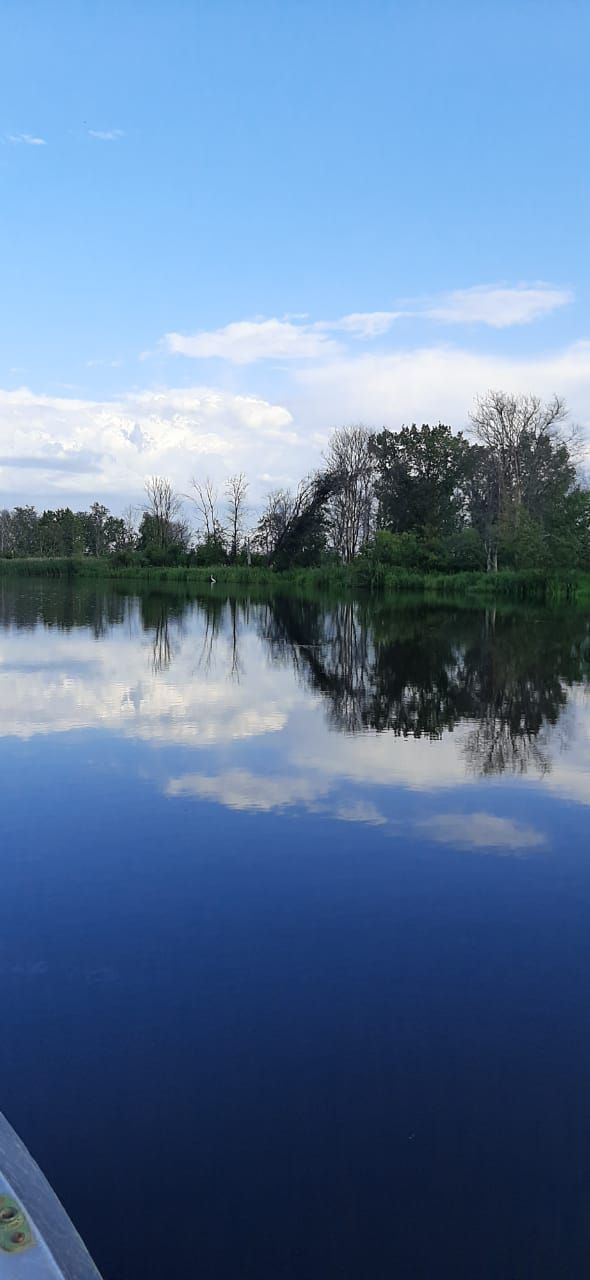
point(423, 497)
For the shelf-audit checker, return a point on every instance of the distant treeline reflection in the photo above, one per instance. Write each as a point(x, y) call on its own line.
point(411, 670)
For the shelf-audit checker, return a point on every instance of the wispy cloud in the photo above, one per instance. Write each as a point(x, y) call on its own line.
point(99, 363)
point(361, 324)
point(298, 338)
point(498, 306)
point(106, 135)
point(28, 139)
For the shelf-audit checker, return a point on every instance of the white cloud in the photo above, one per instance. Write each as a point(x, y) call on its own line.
point(297, 338)
point(69, 447)
point(434, 383)
point(361, 324)
point(106, 135)
point(498, 305)
point(480, 831)
point(247, 341)
point(29, 139)
point(112, 445)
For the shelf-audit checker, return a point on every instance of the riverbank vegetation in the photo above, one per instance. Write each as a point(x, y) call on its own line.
point(505, 510)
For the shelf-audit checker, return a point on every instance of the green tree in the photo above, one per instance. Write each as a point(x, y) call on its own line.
point(421, 479)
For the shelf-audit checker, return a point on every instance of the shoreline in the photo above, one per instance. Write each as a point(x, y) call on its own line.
point(361, 576)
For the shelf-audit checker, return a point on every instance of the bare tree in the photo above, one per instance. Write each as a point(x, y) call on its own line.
point(162, 505)
point(510, 427)
point(205, 499)
point(129, 518)
point(236, 490)
point(350, 510)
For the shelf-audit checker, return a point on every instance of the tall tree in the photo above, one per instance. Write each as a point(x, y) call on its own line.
point(527, 481)
point(236, 490)
point(25, 531)
point(97, 526)
point(349, 457)
point(513, 428)
point(205, 499)
point(162, 506)
point(420, 480)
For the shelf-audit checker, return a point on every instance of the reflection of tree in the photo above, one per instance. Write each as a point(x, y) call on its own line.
point(412, 670)
point(330, 646)
point(162, 616)
point(417, 671)
point(60, 603)
point(495, 746)
point(236, 665)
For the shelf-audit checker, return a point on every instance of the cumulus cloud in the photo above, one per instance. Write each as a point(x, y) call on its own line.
point(497, 305)
point(172, 431)
point(66, 446)
point(482, 831)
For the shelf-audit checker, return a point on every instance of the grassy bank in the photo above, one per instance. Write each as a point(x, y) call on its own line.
point(516, 584)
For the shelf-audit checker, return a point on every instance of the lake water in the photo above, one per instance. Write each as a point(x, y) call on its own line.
point(295, 931)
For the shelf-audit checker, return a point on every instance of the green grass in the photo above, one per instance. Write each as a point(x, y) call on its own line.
point(515, 584)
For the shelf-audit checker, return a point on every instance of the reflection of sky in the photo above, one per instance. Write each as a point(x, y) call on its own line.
point(223, 724)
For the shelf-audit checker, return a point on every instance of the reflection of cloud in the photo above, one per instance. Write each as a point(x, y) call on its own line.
point(270, 744)
point(570, 769)
point(239, 789)
point(81, 685)
point(382, 759)
point(360, 811)
point(480, 831)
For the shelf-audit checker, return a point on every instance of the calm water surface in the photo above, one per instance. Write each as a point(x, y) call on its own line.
point(295, 932)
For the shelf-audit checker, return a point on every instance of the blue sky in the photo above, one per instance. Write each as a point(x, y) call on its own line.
point(227, 227)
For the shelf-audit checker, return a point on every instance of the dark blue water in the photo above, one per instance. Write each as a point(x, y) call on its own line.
point(295, 932)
